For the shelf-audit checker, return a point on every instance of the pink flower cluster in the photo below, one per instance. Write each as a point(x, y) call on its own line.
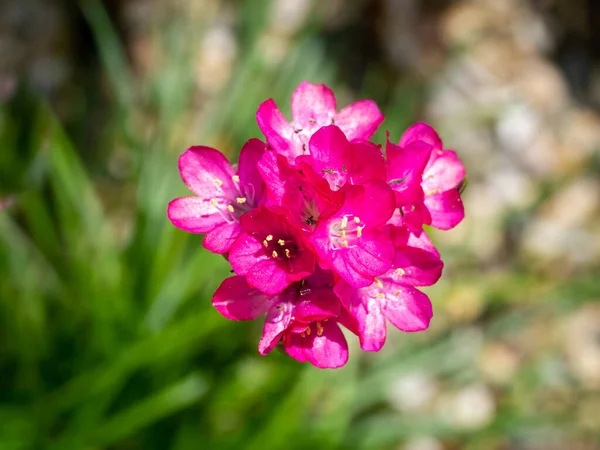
point(321, 229)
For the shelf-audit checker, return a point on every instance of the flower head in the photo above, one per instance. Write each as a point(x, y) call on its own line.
point(320, 228)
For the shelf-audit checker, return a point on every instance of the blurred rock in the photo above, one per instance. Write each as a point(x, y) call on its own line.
point(498, 363)
point(413, 392)
point(423, 443)
point(470, 408)
point(582, 345)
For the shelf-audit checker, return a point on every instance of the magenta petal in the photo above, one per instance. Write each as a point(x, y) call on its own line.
point(267, 276)
point(245, 252)
point(443, 172)
point(365, 308)
point(221, 238)
point(312, 103)
point(359, 120)
point(374, 202)
point(295, 346)
point(194, 214)
point(277, 321)
point(325, 349)
point(331, 154)
point(328, 350)
point(422, 241)
point(421, 132)
point(367, 163)
point(250, 178)
point(235, 300)
point(446, 209)
point(275, 127)
point(207, 173)
point(410, 310)
point(416, 267)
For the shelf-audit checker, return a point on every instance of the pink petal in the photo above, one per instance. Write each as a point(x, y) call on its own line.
point(365, 308)
point(207, 173)
point(374, 202)
point(446, 208)
point(328, 350)
point(367, 163)
point(220, 239)
point(245, 252)
point(421, 132)
point(359, 120)
point(410, 310)
point(275, 127)
point(423, 242)
point(250, 178)
point(312, 104)
point(416, 267)
point(322, 304)
point(235, 300)
point(405, 166)
point(277, 321)
point(331, 154)
point(443, 172)
point(194, 214)
point(267, 276)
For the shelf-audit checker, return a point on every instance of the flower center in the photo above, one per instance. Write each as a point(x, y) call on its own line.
point(345, 232)
point(278, 248)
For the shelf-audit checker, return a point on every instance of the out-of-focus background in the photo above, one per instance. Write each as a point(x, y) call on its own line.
point(107, 335)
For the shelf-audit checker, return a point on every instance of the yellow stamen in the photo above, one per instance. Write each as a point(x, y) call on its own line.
point(356, 219)
point(275, 255)
point(319, 329)
point(235, 178)
point(287, 253)
point(270, 237)
point(359, 231)
point(397, 293)
point(434, 192)
point(344, 243)
point(344, 222)
point(241, 200)
point(343, 234)
point(265, 243)
point(213, 201)
point(229, 208)
point(281, 242)
point(378, 282)
point(302, 334)
point(380, 295)
point(308, 331)
point(218, 182)
point(400, 272)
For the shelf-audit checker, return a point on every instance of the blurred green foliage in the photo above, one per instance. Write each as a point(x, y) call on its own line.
point(111, 342)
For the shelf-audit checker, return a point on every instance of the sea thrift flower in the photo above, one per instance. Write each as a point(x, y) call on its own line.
point(442, 178)
point(352, 241)
point(320, 228)
point(393, 296)
point(270, 252)
point(314, 106)
point(222, 195)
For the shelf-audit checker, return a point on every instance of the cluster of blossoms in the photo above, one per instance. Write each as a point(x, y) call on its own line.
point(320, 228)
